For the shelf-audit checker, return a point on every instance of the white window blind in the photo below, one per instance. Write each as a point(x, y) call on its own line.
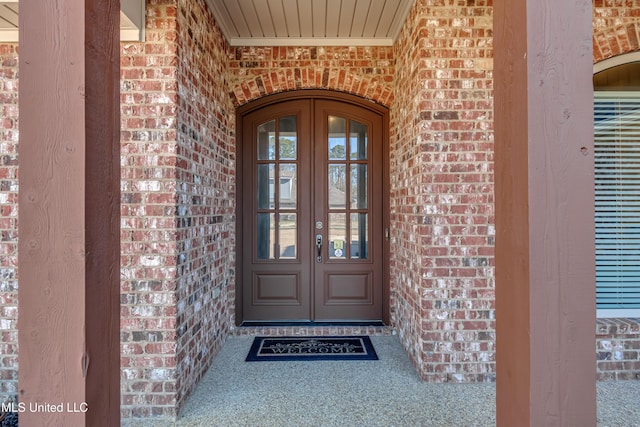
point(617, 204)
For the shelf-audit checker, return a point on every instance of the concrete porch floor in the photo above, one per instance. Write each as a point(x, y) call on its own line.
point(386, 392)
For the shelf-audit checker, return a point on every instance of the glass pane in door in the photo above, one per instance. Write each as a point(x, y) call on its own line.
point(277, 189)
point(337, 236)
point(288, 188)
point(288, 228)
point(266, 236)
point(267, 140)
point(337, 186)
point(265, 187)
point(288, 138)
point(358, 141)
point(358, 236)
point(348, 189)
point(337, 128)
point(358, 182)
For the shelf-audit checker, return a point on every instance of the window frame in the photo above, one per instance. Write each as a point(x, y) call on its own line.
point(614, 312)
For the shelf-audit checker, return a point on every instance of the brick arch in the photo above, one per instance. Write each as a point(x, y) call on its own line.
point(376, 88)
point(613, 37)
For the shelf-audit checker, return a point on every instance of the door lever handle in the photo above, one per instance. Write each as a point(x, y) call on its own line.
point(319, 247)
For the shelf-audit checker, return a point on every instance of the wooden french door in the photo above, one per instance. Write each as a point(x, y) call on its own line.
point(312, 212)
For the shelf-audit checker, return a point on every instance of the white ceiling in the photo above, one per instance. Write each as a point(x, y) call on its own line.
point(131, 20)
point(271, 22)
point(310, 22)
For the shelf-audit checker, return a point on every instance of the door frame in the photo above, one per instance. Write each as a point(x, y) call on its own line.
point(265, 101)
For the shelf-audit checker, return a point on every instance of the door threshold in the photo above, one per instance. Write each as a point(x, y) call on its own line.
point(254, 323)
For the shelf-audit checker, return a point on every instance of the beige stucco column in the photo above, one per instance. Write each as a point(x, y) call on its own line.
point(69, 213)
point(545, 247)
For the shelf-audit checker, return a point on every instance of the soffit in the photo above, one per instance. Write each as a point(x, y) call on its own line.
point(310, 22)
point(131, 20)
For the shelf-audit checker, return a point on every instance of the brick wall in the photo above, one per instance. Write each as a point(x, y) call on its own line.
point(408, 222)
point(259, 71)
point(442, 190)
point(618, 349)
point(8, 220)
point(205, 195)
point(616, 28)
point(149, 106)
point(178, 218)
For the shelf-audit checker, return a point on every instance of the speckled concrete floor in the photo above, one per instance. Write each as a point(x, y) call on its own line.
point(386, 392)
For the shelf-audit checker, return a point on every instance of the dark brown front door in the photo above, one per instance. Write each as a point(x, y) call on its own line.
point(313, 212)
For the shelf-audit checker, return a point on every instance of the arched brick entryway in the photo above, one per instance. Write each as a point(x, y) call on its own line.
point(363, 71)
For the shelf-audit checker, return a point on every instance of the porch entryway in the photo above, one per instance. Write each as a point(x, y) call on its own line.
point(313, 203)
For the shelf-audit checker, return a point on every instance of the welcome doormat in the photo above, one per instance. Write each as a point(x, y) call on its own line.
point(311, 348)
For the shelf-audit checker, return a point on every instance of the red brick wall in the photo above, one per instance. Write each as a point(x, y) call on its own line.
point(149, 106)
point(178, 160)
point(618, 349)
point(259, 71)
point(442, 190)
point(616, 26)
point(8, 220)
point(205, 195)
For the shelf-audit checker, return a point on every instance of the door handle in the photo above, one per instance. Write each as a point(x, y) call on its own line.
point(319, 247)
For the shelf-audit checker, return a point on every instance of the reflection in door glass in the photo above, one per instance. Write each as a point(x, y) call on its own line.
point(266, 236)
point(337, 186)
point(266, 189)
point(267, 141)
point(287, 138)
point(277, 189)
point(357, 141)
point(288, 235)
point(337, 235)
point(288, 188)
point(358, 181)
point(358, 236)
point(337, 138)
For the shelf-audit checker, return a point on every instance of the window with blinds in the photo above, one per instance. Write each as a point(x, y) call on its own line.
point(617, 202)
